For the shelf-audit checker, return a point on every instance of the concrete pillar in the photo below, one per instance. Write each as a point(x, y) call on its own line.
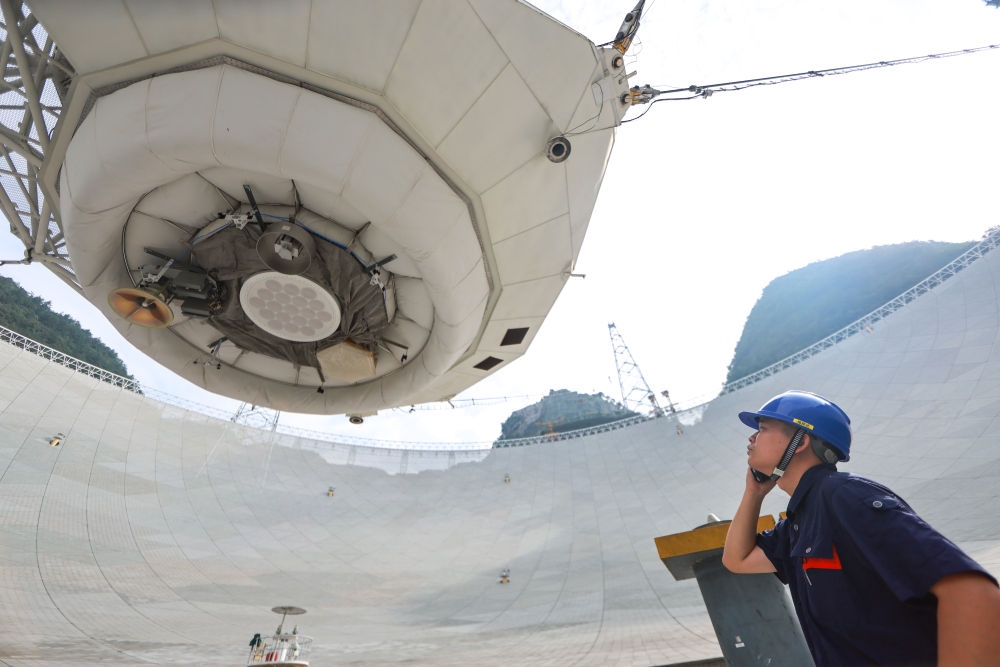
point(752, 614)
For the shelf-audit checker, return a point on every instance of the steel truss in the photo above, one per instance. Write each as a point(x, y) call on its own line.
point(36, 81)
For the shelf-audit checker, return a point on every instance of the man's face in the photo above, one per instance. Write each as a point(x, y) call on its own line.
point(767, 445)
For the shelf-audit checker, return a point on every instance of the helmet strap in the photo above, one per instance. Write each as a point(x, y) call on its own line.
point(786, 458)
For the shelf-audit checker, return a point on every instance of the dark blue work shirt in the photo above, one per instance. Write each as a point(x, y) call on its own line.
point(860, 565)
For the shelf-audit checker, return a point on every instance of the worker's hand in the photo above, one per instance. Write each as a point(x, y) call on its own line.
point(757, 489)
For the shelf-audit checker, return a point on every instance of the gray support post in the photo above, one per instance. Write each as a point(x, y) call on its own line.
point(752, 615)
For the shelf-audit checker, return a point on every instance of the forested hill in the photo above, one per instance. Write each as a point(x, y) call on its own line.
point(33, 317)
point(562, 410)
point(808, 304)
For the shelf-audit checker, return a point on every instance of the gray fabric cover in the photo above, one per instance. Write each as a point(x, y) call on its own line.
point(230, 256)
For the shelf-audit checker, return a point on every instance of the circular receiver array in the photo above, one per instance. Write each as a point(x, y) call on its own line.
point(290, 307)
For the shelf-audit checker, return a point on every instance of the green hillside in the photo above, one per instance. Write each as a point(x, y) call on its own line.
point(33, 317)
point(808, 304)
point(562, 410)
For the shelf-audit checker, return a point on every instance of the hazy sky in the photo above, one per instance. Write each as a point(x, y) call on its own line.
point(706, 201)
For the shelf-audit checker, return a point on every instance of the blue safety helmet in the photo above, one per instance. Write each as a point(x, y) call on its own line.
point(810, 412)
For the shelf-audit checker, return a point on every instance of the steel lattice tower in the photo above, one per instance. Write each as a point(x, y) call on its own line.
point(257, 416)
point(636, 394)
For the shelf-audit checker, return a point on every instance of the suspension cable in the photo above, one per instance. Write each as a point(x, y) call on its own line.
point(646, 94)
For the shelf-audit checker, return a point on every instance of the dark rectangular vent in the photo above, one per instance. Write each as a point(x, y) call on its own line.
point(514, 336)
point(488, 363)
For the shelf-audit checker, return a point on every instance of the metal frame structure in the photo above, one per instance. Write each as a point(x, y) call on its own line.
point(45, 352)
point(36, 81)
point(255, 416)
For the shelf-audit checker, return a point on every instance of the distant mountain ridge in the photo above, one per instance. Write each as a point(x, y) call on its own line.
point(562, 410)
point(808, 304)
point(34, 318)
point(794, 311)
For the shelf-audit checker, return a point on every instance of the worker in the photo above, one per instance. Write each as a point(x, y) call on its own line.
point(256, 647)
point(872, 583)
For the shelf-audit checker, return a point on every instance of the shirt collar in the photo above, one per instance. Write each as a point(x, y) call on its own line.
point(809, 479)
